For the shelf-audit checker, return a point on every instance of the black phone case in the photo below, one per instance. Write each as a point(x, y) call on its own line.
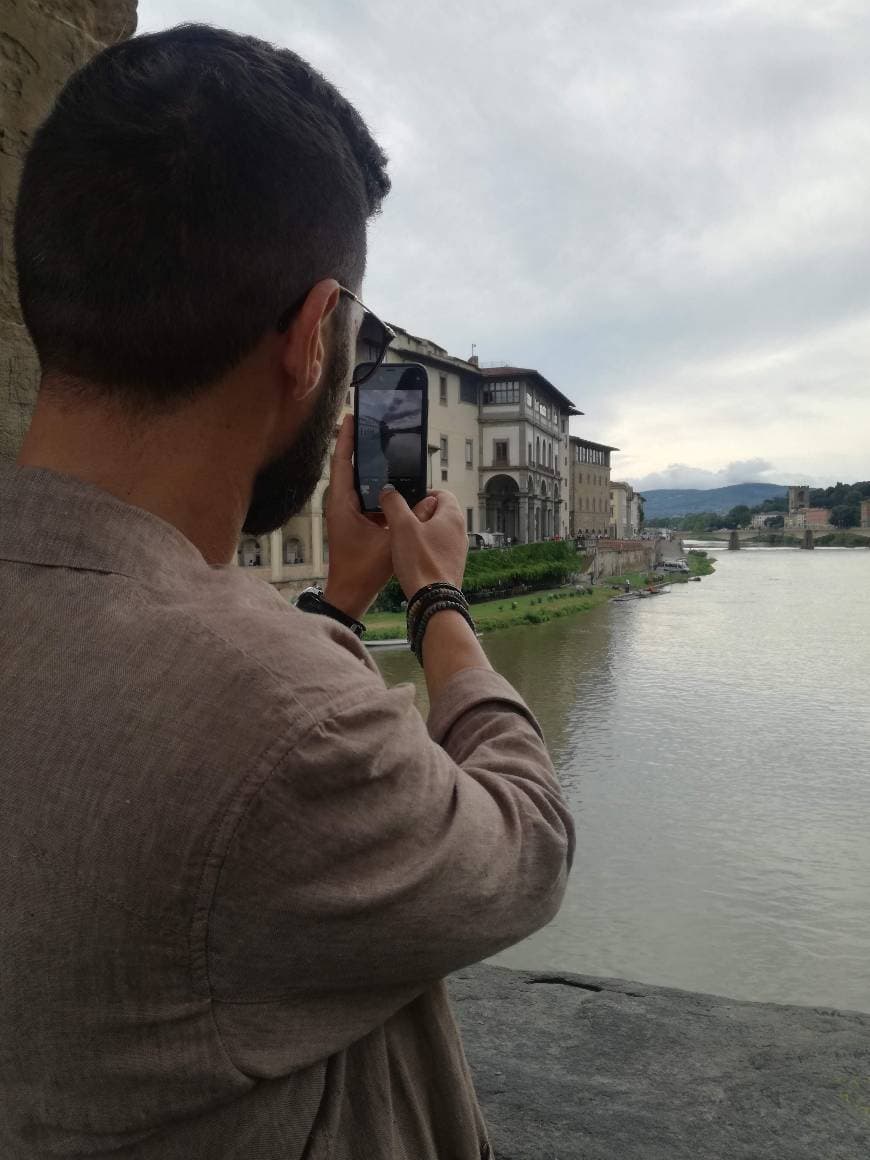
point(413, 493)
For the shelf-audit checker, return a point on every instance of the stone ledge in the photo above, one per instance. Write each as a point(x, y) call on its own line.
point(573, 1067)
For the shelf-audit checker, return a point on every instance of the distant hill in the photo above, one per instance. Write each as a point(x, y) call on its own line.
point(662, 502)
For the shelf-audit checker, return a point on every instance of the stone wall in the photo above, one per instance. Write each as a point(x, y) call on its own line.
point(616, 557)
point(569, 1067)
point(41, 43)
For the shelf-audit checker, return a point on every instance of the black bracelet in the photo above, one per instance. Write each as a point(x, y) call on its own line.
point(446, 605)
point(421, 600)
point(311, 600)
point(438, 586)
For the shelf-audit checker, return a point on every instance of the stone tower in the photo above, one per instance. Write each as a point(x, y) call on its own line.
point(865, 513)
point(40, 46)
point(798, 497)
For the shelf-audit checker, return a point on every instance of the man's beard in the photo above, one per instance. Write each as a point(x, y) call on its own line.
point(283, 487)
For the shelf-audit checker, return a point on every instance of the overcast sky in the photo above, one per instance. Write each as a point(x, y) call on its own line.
point(663, 206)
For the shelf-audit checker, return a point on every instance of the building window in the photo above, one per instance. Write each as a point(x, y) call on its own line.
point(530, 402)
point(468, 391)
point(529, 460)
point(500, 452)
point(443, 476)
point(501, 393)
point(469, 453)
point(442, 390)
point(443, 450)
point(563, 425)
point(469, 519)
point(293, 553)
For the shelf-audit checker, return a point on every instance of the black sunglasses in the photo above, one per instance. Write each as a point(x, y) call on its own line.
point(384, 335)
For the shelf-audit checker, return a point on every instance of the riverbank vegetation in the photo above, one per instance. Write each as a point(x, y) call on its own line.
point(544, 605)
point(843, 540)
point(506, 572)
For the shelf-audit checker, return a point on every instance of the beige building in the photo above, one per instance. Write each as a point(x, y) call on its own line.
point(589, 487)
point(498, 439)
point(808, 517)
point(625, 511)
point(454, 435)
point(865, 513)
point(523, 477)
point(800, 514)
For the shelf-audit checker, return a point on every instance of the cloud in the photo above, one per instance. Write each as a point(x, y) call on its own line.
point(680, 475)
point(649, 200)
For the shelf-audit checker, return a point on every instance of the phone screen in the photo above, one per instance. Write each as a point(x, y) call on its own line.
point(391, 434)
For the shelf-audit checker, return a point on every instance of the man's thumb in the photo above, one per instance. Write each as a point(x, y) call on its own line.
point(426, 508)
point(393, 505)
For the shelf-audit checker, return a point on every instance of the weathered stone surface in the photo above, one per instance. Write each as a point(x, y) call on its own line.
point(569, 1067)
point(41, 43)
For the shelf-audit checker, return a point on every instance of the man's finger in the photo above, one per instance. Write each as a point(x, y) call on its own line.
point(393, 506)
point(341, 470)
point(426, 508)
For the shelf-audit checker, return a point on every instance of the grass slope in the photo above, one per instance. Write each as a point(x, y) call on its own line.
point(537, 607)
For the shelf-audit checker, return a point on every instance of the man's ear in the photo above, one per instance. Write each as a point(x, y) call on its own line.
point(305, 352)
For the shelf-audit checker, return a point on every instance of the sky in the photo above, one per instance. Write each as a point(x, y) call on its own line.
point(662, 206)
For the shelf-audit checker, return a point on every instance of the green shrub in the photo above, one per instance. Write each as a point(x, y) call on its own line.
point(501, 571)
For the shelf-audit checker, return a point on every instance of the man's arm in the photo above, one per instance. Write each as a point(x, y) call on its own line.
point(374, 860)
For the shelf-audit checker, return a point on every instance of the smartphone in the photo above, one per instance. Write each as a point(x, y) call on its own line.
point(390, 423)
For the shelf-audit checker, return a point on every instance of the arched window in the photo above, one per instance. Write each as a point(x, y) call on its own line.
point(250, 553)
point(538, 449)
point(293, 553)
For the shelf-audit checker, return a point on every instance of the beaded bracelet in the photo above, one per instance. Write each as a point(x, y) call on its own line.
point(447, 605)
point(421, 599)
point(438, 586)
point(425, 600)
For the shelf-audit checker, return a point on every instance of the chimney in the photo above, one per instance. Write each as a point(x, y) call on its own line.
point(474, 360)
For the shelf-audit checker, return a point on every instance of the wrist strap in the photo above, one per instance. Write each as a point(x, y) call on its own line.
point(311, 600)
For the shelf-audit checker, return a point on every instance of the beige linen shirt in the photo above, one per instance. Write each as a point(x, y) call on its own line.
point(235, 867)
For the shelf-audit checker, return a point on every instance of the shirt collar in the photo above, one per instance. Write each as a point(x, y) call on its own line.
point(60, 521)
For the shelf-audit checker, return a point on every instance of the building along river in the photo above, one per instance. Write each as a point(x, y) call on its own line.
point(714, 744)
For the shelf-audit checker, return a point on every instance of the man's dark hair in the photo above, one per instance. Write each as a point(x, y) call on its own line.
point(187, 188)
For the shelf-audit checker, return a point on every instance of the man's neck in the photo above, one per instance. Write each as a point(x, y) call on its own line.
point(186, 474)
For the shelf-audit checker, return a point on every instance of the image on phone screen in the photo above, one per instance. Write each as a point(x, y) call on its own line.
point(389, 443)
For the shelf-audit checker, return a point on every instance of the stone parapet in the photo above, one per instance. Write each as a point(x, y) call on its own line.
point(585, 1068)
point(41, 44)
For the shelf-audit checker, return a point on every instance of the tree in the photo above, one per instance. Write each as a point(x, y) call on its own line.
point(739, 517)
point(846, 515)
point(776, 503)
point(700, 522)
point(775, 522)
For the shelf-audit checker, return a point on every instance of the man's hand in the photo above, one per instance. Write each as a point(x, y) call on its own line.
point(426, 547)
point(360, 562)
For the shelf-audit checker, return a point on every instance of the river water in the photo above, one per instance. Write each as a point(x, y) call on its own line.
point(714, 744)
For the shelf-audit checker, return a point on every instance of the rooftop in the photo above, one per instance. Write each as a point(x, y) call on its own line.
point(589, 443)
point(528, 373)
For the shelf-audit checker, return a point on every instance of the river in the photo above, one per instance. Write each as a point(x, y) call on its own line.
point(714, 744)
